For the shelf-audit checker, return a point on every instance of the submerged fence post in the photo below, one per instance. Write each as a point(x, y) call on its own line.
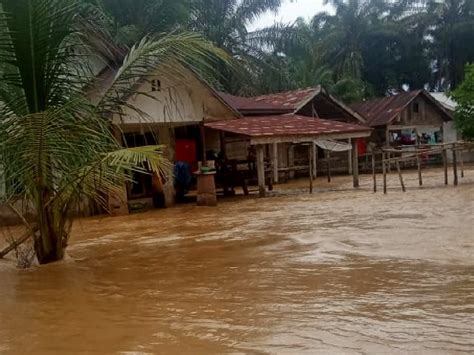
point(455, 166)
point(400, 175)
point(418, 163)
point(445, 164)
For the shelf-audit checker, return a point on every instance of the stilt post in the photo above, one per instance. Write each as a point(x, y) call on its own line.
point(275, 162)
point(310, 158)
point(350, 160)
point(291, 160)
point(355, 164)
point(315, 161)
point(328, 163)
point(261, 171)
point(384, 172)
point(374, 175)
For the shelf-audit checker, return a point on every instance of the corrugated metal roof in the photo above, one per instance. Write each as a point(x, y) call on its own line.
point(248, 104)
point(290, 99)
point(447, 102)
point(382, 111)
point(285, 125)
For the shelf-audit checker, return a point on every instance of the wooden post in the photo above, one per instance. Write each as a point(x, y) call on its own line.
point(261, 170)
point(445, 164)
point(387, 142)
point(355, 164)
point(223, 145)
point(291, 160)
point(418, 163)
point(310, 158)
point(275, 162)
point(203, 143)
point(328, 163)
point(400, 175)
point(350, 159)
point(315, 161)
point(461, 160)
point(384, 172)
point(455, 165)
point(374, 175)
point(389, 165)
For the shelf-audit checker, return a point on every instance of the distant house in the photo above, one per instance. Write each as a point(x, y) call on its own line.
point(404, 118)
point(451, 134)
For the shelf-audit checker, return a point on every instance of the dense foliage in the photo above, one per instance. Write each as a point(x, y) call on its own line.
point(464, 96)
point(362, 48)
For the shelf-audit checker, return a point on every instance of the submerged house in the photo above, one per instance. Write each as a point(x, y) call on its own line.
point(253, 140)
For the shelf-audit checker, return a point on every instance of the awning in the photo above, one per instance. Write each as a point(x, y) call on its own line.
point(290, 128)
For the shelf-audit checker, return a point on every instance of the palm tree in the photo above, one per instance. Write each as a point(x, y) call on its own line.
point(57, 146)
point(450, 24)
point(130, 20)
point(224, 22)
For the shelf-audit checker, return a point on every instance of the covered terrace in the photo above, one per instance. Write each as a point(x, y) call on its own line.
point(262, 131)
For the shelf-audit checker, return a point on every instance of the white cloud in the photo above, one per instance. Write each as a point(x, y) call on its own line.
point(290, 11)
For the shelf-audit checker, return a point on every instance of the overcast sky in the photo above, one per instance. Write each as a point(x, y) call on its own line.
point(290, 11)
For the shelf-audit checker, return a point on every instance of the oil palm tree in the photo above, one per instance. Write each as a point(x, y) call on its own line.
point(57, 148)
point(130, 20)
point(225, 22)
point(450, 24)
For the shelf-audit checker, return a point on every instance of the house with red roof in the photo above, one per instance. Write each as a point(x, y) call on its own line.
point(305, 107)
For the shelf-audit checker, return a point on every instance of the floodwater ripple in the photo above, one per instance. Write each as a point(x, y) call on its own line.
point(336, 272)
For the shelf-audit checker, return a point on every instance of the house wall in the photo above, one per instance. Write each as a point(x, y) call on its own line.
point(427, 114)
point(177, 100)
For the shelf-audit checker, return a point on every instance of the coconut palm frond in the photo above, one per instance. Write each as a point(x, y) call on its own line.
point(171, 55)
point(105, 176)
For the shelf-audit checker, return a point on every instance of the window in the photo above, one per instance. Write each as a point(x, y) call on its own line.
point(416, 107)
point(155, 85)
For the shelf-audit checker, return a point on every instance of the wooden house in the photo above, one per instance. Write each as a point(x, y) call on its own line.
point(405, 118)
point(311, 102)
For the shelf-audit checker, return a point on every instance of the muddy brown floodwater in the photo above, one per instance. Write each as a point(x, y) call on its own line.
point(340, 271)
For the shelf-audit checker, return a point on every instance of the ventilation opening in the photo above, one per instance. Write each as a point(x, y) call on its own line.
point(155, 85)
point(416, 107)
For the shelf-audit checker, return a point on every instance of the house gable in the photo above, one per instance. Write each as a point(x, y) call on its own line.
point(323, 105)
point(174, 99)
point(414, 108)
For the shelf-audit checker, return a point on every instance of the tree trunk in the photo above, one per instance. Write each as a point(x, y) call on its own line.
point(52, 237)
point(46, 255)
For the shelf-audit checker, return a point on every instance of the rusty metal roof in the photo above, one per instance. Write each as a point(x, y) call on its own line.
point(285, 125)
point(249, 105)
point(382, 111)
point(291, 99)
